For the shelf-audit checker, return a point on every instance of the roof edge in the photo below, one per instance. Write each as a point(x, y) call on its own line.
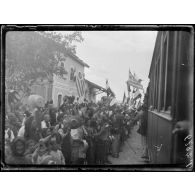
point(75, 57)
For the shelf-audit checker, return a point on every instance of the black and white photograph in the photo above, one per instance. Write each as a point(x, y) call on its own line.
point(97, 97)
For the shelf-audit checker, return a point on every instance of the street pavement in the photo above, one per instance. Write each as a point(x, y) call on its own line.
point(131, 151)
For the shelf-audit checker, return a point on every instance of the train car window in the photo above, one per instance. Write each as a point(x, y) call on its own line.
point(154, 87)
point(158, 83)
point(183, 87)
point(152, 90)
point(163, 74)
point(156, 93)
point(169, 74)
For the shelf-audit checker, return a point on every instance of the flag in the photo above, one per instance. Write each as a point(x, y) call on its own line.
point(134, 81)
point(137, 95)
point(80, 84)
point(134, 75)
point(124, 98)
point(74, 74)
point(108, 90)
point(134, 90)
point(113, 101)
point(139, 104)
point(130, 75)
point(128, 87)
point(110, 93)
point(131, 102)
point(107, 85)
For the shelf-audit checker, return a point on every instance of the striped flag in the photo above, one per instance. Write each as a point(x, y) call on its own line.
point(137, 94)
point(80, 84)
point(139, 104)
point(131, 102)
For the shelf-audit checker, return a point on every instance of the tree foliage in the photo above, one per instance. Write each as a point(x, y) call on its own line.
point(34, 55)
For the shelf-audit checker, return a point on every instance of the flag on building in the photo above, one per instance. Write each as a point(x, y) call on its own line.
point(108, 89)
point(80, 84)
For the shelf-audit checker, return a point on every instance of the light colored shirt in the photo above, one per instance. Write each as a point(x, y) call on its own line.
point(44, 125)
point(58, 156)
point(21, 131)
point(7, 137)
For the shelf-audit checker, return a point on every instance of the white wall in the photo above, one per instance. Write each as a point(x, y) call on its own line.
point(66, 87)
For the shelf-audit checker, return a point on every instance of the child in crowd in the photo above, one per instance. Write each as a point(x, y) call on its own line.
point(18, 148)
point(55, 151)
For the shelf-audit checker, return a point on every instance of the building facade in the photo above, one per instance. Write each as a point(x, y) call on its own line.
point(57, 87)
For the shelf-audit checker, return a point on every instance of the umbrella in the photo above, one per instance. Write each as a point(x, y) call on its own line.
point(36, 101)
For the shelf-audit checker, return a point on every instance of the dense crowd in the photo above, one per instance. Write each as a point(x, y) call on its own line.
point(72, 134)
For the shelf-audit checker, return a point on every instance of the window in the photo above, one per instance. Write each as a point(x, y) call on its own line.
point(169, 75)
point(155, 86)
point(163, 72)
point(183, 78)
point(39, 90)
point(59, 100)
point(72, 74)
point(62, 64)
point(156, 97)
point(80, 75)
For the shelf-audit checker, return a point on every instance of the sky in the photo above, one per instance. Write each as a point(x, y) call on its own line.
point(110, 55)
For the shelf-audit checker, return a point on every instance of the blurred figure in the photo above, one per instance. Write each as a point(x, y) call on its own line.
point(55, 152)
point(31, 132)
point(101, 143)
point(22, 129)
point(18, 148)
point(9, 135)
point(45, 125)
point(66, 142)
point(41, 151)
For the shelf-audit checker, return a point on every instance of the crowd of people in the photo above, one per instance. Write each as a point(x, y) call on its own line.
point(72, 134)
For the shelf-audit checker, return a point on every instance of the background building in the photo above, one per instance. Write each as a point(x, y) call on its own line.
point(72, 84)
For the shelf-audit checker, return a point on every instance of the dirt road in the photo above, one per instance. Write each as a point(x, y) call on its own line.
point(131, 151)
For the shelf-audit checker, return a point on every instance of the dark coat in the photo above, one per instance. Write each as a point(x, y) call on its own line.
point(143, 123)
point(66, 148)
point(31, 130)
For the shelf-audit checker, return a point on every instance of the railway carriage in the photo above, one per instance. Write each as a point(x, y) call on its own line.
point(170, 96)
